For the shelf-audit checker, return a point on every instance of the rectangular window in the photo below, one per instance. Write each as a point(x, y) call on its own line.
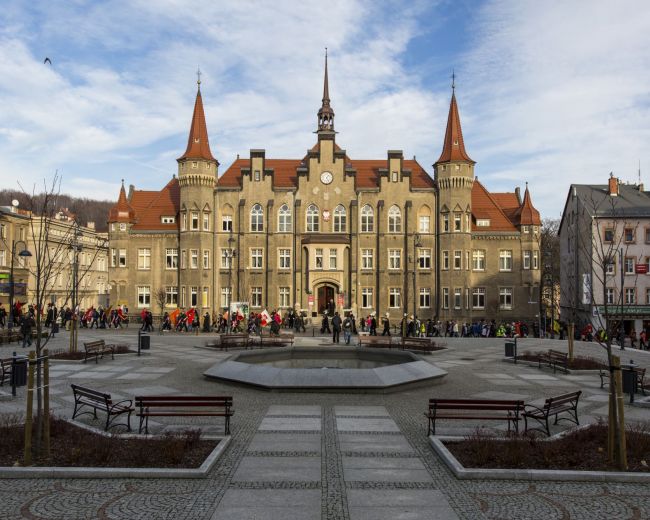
point(608, 235)
point(284, 256)
point(225, 297)
point(183, 221)
point(171, 295)
point(458, 260)
point(206, 259)
point(367, 259)
point(458, 297)
point(610, 268)
point(424, 224)
point(194, 295)
point(505, 260)
point(194, 258)
point(333, 258)
point(194, 221)
point(457, 222)
point(284, 297)
point(630, 295)
point(467, 228)
point(318, 257)
point(629, 264)
point(167, 220)
point(256, 296)
point(610, 295)
point(205, 299)
point(122, 258)
point(226, 223)
point(144, 258)
point(424, 258)
point(527, 255)
point(122, 228)
point(524, 229)
point(366, 298)
point(425, 298)
point(183, 297)
point(629, 235)
point(647, 235)
point(206, 221)
point(535, 259)
point(171, 258)
point(478, 260)
point(505, 298)
point(113, 257)
point(445, 260)
point(226, 258)
point(394, 259)
point(445, 222)
point(445, 297)
point(483, 222)
point(647, 296)
point(144, 296)
point(256, 258)
point(183, 258)
point(467, 306)
point(395, 298)
point(257, 175)
point(478, 298)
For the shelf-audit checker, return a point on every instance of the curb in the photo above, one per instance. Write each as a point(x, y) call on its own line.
point(462, 473)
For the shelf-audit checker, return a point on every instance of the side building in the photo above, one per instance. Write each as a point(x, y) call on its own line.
point(370, 235)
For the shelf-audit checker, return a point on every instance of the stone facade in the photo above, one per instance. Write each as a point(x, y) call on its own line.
point(372, 235)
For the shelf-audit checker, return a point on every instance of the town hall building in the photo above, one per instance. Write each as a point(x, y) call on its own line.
point(378, 235)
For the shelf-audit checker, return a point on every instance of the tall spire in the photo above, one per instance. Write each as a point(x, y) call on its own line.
point(325, 113)
point(527, 213)
point(198, 146)
point(453, 148)
point(122, 210)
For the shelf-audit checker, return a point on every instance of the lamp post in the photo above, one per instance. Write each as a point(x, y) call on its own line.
point(416, 244)
point(75, 247)
point(23, 254)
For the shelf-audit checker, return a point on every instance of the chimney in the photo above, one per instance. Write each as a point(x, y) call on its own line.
point(613, 185)
point(518, 193)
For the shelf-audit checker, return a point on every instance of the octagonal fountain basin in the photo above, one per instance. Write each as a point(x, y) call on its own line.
point(332, 369)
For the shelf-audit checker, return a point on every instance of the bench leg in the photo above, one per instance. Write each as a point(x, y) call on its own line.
point(128, 420)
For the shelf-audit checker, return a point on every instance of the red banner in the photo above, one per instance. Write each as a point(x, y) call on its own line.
point(340, 299)
point(310, 300)
point(641, 268)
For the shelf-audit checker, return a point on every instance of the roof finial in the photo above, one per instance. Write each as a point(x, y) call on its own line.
point(453, 80)
point(325, 113)
point(198, 77)
point(122, 182)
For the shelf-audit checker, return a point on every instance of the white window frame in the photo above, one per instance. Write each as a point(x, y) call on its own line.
point(312, 219)
point(171, 258)
point(394, 219)
point(284, 297)
point(445, 260)
point(394, 259)
point(424, 259)
point(424, 224)
point(458, 259)
point(367, 298)
point(478, 298)
point(505, 260)
point(171, 296)
point(226, 223)
point(121, 259)
point(367, 219)
point(256, 258)
point(257, 219)
point(527, 259)
point(256, 297)
point(194, 258)
point(425, 298)
point(506, 298)
point(333, 258)
point(367, 258)
point(445, 297)
point(206, 259)
point(194, 221)
point(395, 298)
point(144, 296)
point(285, 222)
point(318, 255)
point(340, 219)
point(284, 258)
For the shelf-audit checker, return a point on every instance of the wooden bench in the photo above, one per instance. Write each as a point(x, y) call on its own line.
point(10, 337)
point(420, 344)
point(5, 370)
point(233, 340)
point(560, 404)
point(281, 340)
point(375, 341)
point(640, 378)
point(474, 409)
point(95, 348)
point(86, 397)
point(183, 406)
point(554, 358)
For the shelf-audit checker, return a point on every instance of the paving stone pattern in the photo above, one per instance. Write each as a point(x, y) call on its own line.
point(320, 456)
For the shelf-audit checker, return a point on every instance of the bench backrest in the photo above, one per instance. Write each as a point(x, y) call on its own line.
point(475, 404)
point(557, 354)
point(91, 394)
point(374, 339)
point(94, 344)
point(182, 400)
point(233, 337)
point(425, 341)
point(563, 399)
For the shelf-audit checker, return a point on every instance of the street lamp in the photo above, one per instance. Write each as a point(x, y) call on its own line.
point(416, 244)
point(75, 247)
point(23, 254)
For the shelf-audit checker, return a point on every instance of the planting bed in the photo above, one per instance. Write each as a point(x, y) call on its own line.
point(81, 354)
point(577, 363)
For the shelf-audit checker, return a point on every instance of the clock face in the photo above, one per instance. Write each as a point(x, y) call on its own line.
point(326, 177)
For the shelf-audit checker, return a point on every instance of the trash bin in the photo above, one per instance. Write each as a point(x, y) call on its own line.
point(18, 371)
point(145, 341)
point(629, 381)
point(511, 349)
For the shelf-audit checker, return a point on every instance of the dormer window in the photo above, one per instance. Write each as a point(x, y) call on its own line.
point(394, 177)
point(455, 142)
point(196, 139)
point(168, 220)
point(257, 175)
point(483, 222)
point(195, 164)
point(524, 229)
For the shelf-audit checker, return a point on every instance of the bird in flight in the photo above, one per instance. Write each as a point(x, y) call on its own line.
point(47, 60)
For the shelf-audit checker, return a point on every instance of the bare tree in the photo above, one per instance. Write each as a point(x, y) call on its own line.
point(160, 297)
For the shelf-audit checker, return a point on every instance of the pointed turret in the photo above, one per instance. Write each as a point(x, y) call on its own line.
point(453, 148)
point(122, 210)
point(326, 113)
point(527, 214)
point(198, 146)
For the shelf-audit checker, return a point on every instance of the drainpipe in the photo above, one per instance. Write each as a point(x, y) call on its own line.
point(380, 205)
point(437, 235)
point(405, 283)
point(269, 206)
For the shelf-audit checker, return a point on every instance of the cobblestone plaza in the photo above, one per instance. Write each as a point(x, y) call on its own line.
point(321, 456)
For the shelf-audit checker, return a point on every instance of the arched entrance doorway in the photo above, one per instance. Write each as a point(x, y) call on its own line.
point(325, 295)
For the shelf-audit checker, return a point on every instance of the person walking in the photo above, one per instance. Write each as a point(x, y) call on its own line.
point(347, 329)
point(386, 322)
point(26, 325)
point(336, 328)
point(325, 327)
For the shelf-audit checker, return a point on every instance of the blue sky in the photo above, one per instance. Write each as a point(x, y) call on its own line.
point(549, 92)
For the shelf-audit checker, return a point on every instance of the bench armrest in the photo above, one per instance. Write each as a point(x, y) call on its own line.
point(533, 407)
point(123, 403)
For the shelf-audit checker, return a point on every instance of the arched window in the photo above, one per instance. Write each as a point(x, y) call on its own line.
point(340, 219)
point(284, 219)
point(313, 223)
point(367, 219)
point(257, 219)
point(424, 219)
point(394, 220)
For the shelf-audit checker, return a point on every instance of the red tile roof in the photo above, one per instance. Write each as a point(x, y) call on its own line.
point(122, 211)
point(152, 205)
point(484, 206)
point(453, 148)
point(527, 214)
point(198, 146)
